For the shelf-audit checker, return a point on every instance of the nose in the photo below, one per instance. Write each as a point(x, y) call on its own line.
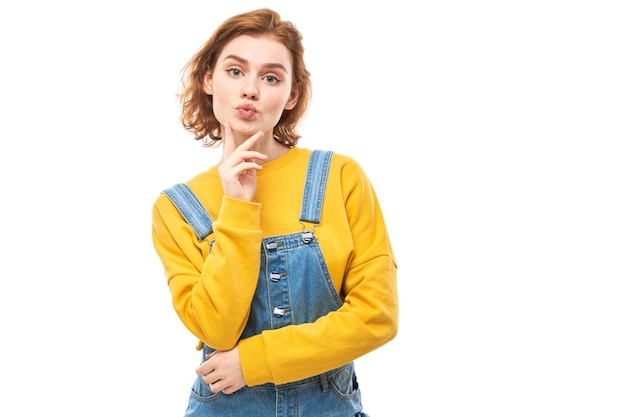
point(250, 91)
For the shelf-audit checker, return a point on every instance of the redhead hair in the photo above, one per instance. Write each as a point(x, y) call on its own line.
point(197, 107)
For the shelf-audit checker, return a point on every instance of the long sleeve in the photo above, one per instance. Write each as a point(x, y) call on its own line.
point(356, 246)
point(211, 287)
point(212, 282)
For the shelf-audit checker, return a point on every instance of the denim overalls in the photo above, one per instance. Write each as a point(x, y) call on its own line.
point(294, 287)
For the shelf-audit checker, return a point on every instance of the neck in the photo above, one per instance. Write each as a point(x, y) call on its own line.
point(271, 147)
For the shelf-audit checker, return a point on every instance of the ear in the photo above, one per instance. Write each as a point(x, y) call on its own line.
point(207, 85)
point(293, 99)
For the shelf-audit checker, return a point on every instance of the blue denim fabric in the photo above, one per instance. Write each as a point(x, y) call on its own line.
point(294, 287)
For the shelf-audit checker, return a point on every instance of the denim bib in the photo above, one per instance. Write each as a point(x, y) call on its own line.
point(294, 287)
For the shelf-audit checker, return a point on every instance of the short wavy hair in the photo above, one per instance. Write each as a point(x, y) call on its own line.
point(197, 114)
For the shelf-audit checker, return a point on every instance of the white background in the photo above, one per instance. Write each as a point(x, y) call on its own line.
point(493, 132)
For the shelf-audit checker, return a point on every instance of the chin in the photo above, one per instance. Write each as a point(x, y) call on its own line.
point(244, 129)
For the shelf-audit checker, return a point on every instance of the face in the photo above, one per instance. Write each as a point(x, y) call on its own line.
point(251, 85)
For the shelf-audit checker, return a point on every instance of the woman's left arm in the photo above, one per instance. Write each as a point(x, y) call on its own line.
point(360, 259)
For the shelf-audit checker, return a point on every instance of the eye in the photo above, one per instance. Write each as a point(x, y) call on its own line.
point(235, 72)
point(271, 79)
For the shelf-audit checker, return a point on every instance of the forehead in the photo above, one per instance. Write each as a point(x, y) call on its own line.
point(261, 50)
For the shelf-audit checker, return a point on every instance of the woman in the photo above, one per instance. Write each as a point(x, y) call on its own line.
point(277, 258)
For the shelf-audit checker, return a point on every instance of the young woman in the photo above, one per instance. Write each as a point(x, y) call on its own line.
point(277, 258)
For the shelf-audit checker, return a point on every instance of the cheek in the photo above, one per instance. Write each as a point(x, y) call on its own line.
point(278, 102)
point(219, 105)
point(278, 108)
point(221, 93)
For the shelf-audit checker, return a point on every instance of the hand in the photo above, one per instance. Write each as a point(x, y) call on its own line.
point(238, 167)
point(222, 371)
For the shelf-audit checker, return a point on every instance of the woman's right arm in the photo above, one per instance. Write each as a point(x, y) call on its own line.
point(211, 282)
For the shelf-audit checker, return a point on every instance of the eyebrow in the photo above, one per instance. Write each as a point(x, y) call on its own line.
point(245, 61)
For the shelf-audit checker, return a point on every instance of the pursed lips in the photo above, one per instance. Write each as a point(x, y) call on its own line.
point(246, 111)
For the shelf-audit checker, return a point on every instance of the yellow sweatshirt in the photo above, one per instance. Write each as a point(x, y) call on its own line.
point(212, 295)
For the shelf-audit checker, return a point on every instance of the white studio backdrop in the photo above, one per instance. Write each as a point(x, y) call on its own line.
point(492, 131)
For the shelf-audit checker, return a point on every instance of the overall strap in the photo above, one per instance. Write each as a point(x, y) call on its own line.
point(315, 186)
point(191, 208)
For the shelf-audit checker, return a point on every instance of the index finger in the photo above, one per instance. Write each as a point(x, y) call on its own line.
point(249, 143)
